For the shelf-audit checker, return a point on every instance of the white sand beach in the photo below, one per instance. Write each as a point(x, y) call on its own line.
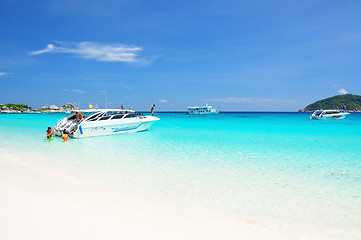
point(39, 204)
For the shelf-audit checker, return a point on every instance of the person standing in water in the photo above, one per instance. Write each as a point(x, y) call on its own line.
point(65, 136)
point(49, 134)
point(152, 110)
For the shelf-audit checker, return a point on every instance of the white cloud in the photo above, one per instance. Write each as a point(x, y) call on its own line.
point(49, 48)
point(95, 51)
point(163, 101)
point(73, 90)
point(342, 91)
point(3, 73)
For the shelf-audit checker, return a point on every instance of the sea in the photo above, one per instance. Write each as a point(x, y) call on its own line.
point(254, 166)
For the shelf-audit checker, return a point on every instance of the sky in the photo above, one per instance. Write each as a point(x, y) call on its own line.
point(236, 55)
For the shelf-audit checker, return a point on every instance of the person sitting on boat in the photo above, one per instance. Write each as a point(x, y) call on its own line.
point(65, 135)
point(79, 117)
point(49, 134)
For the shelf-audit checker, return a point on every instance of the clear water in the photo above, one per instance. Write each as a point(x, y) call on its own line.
point(281, 167)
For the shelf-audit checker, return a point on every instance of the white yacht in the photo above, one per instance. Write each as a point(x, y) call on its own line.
point(98, 122)
point(328, 114)
point(201, 110)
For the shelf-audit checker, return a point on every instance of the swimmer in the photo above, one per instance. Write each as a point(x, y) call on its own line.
point(65, 136)
point(49, 134)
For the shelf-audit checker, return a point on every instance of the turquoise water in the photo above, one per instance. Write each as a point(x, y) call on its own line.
point(260, 166)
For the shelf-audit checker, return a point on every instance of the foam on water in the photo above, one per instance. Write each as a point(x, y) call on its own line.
point(279, 166)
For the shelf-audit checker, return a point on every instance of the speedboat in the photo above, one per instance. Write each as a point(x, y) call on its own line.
point(201, 110)
point(328, 114)
point(98, 122)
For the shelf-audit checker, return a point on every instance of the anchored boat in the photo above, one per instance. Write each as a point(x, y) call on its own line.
point(328, 114)
point(201, 110)
point(98, 122)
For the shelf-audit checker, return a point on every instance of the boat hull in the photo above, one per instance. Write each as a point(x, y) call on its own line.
point(330, 117)
point(102, 128)
point(93, 131)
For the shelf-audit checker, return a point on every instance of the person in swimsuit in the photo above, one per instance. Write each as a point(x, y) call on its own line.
point(79, 117)
point(65, 136)
point(49, 134)
point(152, 110)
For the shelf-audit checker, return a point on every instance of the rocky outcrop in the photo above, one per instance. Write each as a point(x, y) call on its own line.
point(53, 107)
point(70, 106)
point(10, 111)
point(13, 108)
point(20, 108)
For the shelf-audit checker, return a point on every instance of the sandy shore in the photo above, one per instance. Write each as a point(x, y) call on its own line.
point(38, 204)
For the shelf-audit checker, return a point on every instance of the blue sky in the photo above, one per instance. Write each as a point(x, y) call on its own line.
point(236, 55)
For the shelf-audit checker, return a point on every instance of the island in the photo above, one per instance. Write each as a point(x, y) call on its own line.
point(23, 108)
point(346, 103)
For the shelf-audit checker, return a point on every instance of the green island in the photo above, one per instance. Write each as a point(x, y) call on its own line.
point(347, 102)
point(17, 107)
point(23, 108)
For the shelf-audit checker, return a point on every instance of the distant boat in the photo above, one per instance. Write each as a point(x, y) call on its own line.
point(328, 114)
point(68, 111)
point(31, 111)
point(204, 110)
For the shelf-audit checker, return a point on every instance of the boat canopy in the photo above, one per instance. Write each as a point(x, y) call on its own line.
point(331, 111)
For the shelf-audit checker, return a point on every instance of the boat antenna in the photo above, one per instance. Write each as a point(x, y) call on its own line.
point(106, 99)
point(105, 92)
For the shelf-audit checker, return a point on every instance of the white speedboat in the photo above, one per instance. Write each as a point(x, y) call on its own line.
point(328, 114)
point(201, 110)
point(98, 122)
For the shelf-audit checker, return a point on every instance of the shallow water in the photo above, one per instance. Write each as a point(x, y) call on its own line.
point(261, 166)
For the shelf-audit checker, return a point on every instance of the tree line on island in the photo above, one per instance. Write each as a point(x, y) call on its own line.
point(346, 103)
point(23, 108)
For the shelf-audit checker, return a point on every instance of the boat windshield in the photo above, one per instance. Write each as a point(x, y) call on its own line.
point(331, 112)
point(110, 115)
point(317, 113)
